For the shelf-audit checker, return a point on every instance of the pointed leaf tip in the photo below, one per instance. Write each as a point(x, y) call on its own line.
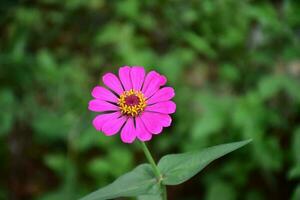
point(178, 168)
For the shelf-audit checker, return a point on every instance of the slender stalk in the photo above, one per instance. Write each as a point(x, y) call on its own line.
point(155, 169)
point(151, 161)
point(164, 192)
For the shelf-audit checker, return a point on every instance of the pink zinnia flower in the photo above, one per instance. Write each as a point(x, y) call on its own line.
point(135, 104)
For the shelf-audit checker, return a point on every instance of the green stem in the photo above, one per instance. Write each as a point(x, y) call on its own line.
point(151, 161)
point(164, 192)
point(155, 169)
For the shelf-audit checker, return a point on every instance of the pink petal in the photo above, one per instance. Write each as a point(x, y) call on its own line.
point(99, 120)
point(166, 107)
point(137, 75)
point(151, 123)
point(165, 119)
point(112, 81)
point(103, 94)
point(128, 133)
point(152, 83)
point(164, 94)
point(98, 105)
point(149, 78)
point(113, 126)
point(124, 75)
point(142, 133)
point(163, 80)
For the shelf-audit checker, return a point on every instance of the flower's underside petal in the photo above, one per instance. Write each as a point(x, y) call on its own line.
point(164, 94)
point(99, 120)
point(137, 77)
point(98, 105)
point(153, 82)
point(112, 82)
point(128, 133)
point(124, 75)
point(113, 126)
point(151, 123)
point(104, 94)
point(142, 133)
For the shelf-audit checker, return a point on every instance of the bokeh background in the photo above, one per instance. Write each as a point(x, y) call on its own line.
point(235, 66)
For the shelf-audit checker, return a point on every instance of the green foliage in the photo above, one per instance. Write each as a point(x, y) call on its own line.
point(178, 168)
point(140, 181)
point(174, 168)
point(295, 170)
point(234, 66)
point(7, 106)
point(150, 197)
point(221, 189)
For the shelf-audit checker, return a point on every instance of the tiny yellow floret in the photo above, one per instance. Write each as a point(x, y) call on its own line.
point(132, 102)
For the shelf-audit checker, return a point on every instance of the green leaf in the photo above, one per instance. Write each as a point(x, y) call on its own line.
point(178, 168)
point(220, 190)
point(199, 44)
point(150, 197)
point(7, 107)
point(296, 193)
point(140, 181)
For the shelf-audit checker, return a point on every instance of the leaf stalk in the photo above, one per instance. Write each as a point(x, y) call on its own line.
point(155, 170)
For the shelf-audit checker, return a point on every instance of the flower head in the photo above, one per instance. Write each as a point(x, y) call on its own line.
point(135, 104)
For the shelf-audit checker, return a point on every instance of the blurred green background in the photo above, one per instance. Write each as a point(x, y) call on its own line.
point(235, 66)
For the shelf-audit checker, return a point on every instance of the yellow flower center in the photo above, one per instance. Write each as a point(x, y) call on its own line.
point(132, 102)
